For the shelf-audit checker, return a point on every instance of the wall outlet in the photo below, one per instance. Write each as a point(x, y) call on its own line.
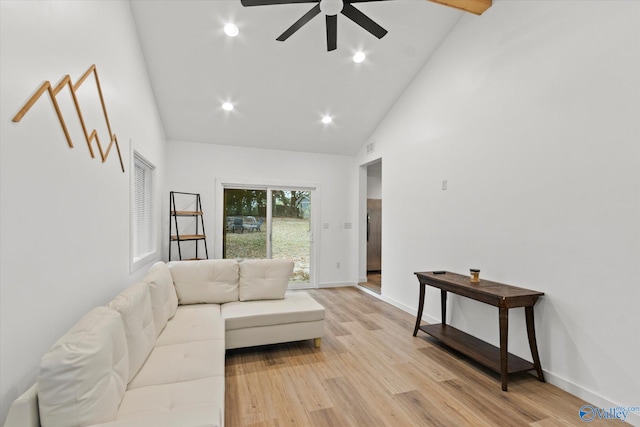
point(325, 226)
point(337, 265)
point(444, 184)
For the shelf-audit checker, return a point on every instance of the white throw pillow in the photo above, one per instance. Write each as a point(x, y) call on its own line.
point(212, 281)
point(264, 278)
point(164, 300)
point(82, 378)
point(134, 306)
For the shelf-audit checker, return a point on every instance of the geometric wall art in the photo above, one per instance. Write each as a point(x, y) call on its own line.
point(73, 87)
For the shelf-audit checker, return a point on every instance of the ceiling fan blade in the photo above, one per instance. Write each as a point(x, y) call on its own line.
point(332, 32)
point(363, 20)
point(247, 3)
point(299, 23)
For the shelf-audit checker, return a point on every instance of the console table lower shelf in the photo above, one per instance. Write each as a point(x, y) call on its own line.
point(478, 350)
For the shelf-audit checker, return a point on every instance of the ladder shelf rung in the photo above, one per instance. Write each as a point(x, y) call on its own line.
point(188, 237)
point(186, 213)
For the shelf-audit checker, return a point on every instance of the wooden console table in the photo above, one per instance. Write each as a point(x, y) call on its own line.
point(497, 294)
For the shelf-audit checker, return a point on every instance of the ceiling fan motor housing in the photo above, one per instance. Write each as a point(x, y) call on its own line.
point(331, 7)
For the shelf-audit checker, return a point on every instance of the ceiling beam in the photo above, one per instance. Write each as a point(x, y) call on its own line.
point(473, 6)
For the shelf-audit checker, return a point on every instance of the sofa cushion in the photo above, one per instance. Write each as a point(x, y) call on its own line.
point(202, 415)
point(273, 334)
point(181, 362)
point(143, 402)
point(82, 378)
point(296, 307)
point(164, 300)
point(206, 281)
point(134, 306)
point(264, 279)
point(193, 323)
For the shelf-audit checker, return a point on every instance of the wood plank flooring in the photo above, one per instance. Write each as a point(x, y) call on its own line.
point(371, 371)
point(373, 283)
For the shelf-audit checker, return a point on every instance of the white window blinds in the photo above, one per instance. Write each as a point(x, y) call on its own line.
point(143, 223)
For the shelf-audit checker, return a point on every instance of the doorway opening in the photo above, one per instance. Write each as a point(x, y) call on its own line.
point(374, 227)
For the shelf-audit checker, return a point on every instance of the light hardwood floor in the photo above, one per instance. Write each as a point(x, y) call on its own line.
point(373, 283)
point(371, 371)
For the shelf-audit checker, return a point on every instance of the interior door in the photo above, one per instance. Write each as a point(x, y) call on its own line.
point(374, 235)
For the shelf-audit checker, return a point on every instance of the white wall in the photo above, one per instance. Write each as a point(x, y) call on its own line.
point(532, 114)
point(196, 168)
point(64, 216)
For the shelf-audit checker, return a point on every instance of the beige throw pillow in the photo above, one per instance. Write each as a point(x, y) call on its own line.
point(134, 306)
point(262, 279)
point(212, 281)
point(164, 300)
point(82, 378)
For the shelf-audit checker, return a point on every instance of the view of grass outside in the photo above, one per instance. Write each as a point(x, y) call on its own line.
point(246, 230)
point(290, 240)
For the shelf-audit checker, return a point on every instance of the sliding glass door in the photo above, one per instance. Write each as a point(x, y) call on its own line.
point(245, 232)
point(291, 230)
point(269, 223)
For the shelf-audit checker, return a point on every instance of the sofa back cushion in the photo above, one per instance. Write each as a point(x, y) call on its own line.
point(211, 281)
point(82, 378)
point(262, 279)
point(134, 306)
point(164, 300)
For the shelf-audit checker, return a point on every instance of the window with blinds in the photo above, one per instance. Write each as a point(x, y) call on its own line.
point(143, 224)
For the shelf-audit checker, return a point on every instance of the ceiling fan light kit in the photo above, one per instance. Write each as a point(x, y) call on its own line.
point(331, 7)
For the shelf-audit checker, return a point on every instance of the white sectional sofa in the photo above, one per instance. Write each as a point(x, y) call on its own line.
point(154, 355)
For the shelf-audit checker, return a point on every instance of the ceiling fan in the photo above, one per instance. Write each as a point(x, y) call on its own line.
point(330, 8)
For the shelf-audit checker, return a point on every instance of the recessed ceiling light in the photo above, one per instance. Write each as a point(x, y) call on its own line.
point(326, 120)
point(231, 30)
point(359, 57)
point(227, 106)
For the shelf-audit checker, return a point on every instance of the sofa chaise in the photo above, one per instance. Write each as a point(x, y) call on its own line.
point(154, 355)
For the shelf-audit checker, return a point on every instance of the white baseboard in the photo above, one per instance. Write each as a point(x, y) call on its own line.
point(411, 310)
point(596, 400)
point(335, 285)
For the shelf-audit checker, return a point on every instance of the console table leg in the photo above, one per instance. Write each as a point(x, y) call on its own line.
point(420, 308)
point(504, 335)
point(443, 305)
point(533, 345)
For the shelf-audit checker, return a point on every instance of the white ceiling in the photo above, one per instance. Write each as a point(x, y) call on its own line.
point(281, 90)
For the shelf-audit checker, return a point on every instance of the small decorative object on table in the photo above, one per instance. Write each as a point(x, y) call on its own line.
point(475, 275)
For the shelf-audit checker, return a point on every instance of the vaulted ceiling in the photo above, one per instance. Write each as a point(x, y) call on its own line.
point(281, 90)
